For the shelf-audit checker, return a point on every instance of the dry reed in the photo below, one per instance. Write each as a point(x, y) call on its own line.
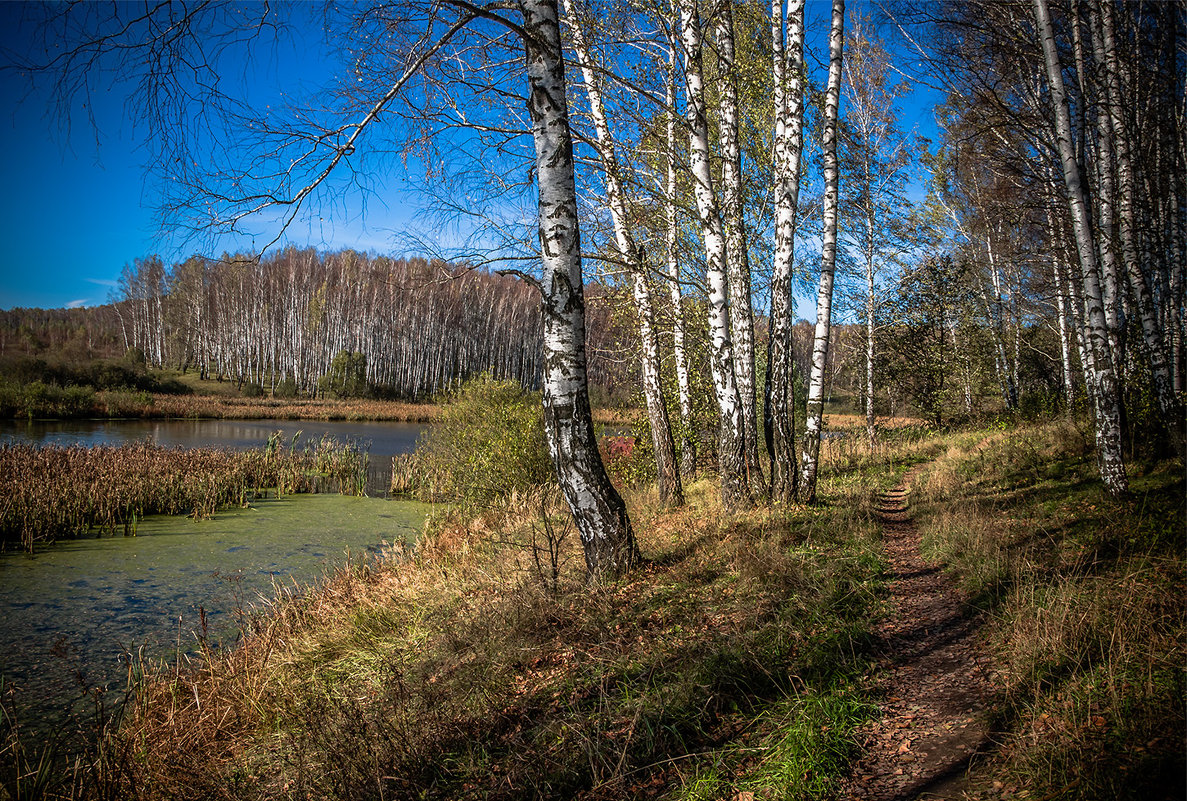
point(53, 492)
point(227, 408)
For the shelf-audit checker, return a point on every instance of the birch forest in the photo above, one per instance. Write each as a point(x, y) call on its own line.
point(717, 170)
point(420, 327)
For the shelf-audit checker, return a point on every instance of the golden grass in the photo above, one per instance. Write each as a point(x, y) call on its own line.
point(842, 421)
point(1087, 606)
point(458, 670)
point(231, 408)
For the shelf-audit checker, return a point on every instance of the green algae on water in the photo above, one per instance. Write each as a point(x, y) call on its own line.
point(74, 610)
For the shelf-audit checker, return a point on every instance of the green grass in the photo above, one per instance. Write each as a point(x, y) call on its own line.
point(1087, 602)
point(198, 385)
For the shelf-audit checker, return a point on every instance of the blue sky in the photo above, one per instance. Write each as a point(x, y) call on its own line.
point(77, 207)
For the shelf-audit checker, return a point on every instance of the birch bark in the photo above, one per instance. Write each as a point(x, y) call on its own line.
point(1154, 344)
point(828, 258)
point(731, 453)
point(1103, 386)
point(688, 442)
point(1069, 386)
point(778, 400)
point(598, 511)
point(737, 258)
point(668, 476)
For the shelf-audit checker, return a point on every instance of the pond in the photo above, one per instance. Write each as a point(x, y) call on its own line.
point(73, 611)
point(383, 440)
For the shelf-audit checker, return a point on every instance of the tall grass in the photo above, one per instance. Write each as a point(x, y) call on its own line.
point(1087, 602)
point(733, 661)
point(235, 408)
point(54, 492)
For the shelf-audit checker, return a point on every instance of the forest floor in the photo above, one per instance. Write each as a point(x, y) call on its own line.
point(934, 675)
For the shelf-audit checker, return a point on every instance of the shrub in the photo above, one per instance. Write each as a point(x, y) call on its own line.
point(40, 400)
point(488, 444)
point(124, 403)
point(347, 377)
point(252, 390)
point(134, 358)
point(285, 389)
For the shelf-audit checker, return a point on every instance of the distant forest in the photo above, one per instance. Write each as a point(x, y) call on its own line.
point(408, 327)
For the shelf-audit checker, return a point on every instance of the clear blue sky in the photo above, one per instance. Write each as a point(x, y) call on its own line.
point(76, 206)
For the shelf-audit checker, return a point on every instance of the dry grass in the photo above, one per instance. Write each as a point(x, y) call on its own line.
point(729, 663)
point(227, 407)
point(839, 422)
point(1088, 605)
point(232, 408)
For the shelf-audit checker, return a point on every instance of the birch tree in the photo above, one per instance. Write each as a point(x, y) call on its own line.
point(688, 447)
point(599, 513)
point(671, 491)
point(828, 259)
point(741, 310)
point(787, 70)
point(731, 454)
point(1103, 386)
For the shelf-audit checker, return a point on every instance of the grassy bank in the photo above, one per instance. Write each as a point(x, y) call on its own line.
point(479, 664)
point(1086, 602)
point(47, 402)
point(240, 408)
point(54, 492)
point(733, 661)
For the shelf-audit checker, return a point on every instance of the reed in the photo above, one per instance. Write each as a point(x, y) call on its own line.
point(55, 492)
point(229, 408)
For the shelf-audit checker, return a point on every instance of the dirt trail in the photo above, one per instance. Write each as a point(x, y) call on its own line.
point(933, 677)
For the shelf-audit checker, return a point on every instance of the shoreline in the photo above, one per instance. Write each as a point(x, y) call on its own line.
point(217, 407)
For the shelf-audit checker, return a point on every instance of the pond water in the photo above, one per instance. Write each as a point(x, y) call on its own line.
point(72, 612)
point(383, 440)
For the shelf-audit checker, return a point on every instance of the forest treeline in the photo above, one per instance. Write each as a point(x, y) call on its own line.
point(299, 321)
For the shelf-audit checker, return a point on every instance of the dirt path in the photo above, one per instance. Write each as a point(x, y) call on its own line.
point(933, 677)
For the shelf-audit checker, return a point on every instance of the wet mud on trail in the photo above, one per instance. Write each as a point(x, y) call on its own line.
point(932, 676)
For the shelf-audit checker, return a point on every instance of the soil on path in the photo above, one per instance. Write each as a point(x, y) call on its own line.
point(933, 677)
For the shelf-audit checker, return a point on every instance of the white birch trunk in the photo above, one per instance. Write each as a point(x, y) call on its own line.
point(828, 258)
point(1069, 385)
point(599, 513)
point(668, 476)
point(737, 256)
point(778, 395)
point(731, 454)
point(688, 446)
point(871, 427)
point(1154, 343)
point(1103, 386)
